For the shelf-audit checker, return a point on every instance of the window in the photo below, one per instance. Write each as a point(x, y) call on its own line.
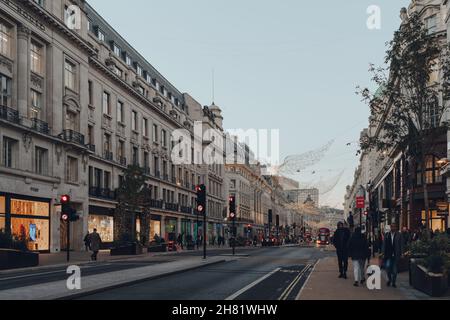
point(144, 127)
point(72, 169)
point(36, 105)
point(117, 50)
point(91, 92)
point(9, 152)
point(155, 133)
point(90, 135)
point(128, 60)
point(164, 138)
point(5, 39)
point(118, 71)
point(431, 24)
point(135, 156)
point(139, 70)
point(149, 78)
point(134, 120)
point(70, 75)
point(36, 57)
point(106, 144)
point(107, 180)
point(120, 113)
point(432, 172)
point(146, 160)
point(121, 150)
point(5, 90)
point(106, 103)
point(100, 35)
point(41, 160)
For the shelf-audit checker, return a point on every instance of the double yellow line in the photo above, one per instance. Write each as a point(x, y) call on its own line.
point(291, 287)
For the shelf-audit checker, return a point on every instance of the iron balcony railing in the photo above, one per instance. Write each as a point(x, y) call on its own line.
point(91, 147)
point(9, 114)
point(122, 161)
point(102, 193)
point(187, 210)
point(108, 155)
point(40, 126)
point(72, 136)
point(172, 207)
point(157, 204)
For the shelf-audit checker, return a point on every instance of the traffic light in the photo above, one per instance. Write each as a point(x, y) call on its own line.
point(65, 207)
point(201, 198)
point(232, 206)
point(67, 212)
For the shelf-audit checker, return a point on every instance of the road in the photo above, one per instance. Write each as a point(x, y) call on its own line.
point(263, 274)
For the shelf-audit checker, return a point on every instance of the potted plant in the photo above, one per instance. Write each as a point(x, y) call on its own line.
point(126, 247)
point(14, 253)
point(429, 264)
point(157, 245)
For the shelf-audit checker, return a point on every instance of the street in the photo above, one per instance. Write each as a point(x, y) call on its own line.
point(265, 274)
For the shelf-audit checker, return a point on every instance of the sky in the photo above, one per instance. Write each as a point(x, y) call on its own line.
point(291, 65)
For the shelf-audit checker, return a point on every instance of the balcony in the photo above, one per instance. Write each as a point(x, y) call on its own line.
point(147, 171)
point(157, 174)
point(91, 147)
point(157, 204)
point(40, 126)
point(101, 193)
point(72, 136)
point(122, 161)
point(108, 155)
point(174, 180)
point(172, 207)
point(9, 114)
point(187, 210)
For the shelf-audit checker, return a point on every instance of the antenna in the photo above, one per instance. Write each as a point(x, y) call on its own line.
point(213, 85)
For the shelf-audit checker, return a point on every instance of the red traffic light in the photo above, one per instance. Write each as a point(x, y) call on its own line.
point(65, 199)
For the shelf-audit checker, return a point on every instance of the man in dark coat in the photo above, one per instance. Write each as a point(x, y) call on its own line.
point(392, 253)
point(340, 241)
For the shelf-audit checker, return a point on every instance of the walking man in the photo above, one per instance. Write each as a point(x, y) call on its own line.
point(392, 253)
point(95, 241)
point(340, 242)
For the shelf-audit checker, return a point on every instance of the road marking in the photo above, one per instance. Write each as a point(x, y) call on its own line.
point(291, 287)
point(251, 285)
point(45, 273)
point(307, 280)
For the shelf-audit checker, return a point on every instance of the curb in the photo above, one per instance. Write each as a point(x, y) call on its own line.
point(133, 282)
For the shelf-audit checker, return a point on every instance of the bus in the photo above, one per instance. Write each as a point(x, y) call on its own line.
point(324, 237)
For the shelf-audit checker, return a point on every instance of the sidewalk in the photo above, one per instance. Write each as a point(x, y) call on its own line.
point(324, 284)
point(106, 281)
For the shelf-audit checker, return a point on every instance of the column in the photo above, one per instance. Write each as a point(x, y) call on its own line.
point(23, 34)
point(163, 228)
point(178, 226)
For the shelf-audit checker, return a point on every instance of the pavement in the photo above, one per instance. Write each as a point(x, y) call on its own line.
point(324, 284)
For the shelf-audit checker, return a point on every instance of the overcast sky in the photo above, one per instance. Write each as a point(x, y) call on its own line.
point(291, 65)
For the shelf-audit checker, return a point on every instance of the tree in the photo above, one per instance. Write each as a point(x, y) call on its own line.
point(133, 197)
point(408, 109)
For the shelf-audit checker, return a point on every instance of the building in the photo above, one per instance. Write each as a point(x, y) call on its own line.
point(78, 105)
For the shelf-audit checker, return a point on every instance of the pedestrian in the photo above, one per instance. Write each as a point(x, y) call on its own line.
point(180, 241)
point(87, 244)
point(255, 241)
point(340, 242)
point(95, 241)
point(392, 253)
point(358, 250)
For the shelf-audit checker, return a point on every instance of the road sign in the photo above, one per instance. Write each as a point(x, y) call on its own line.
point(360, 203)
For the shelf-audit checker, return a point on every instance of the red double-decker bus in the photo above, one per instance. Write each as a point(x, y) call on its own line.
point(324, 237)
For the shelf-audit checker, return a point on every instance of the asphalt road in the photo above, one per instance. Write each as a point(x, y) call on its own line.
point(265, 274)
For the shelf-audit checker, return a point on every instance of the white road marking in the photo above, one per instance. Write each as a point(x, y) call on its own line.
point(291, 287)
point(307, 280)
point(251, 285)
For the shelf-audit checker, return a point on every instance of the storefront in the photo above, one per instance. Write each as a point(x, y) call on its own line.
point(438, 221)
point(155, 227)
point(28, 219)
point(186, 226)
point(171, 229)
point(102, 219)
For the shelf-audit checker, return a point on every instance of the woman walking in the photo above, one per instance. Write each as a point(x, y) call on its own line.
point(358, 251)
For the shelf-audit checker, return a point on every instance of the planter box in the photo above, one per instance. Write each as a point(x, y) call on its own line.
point(157, 248)
point(13, 259)
point(434, 285)
point(133, 249)
point(403, 265)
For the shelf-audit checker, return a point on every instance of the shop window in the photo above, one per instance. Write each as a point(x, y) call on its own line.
point(2, 213)
point(155, 229)
point(104, 226)
point(35, 231)
point(437, 222)
point(29, 208)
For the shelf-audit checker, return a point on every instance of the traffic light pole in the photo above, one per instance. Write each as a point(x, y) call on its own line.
point(234, 237)
point(204, 235)
point(68, 240)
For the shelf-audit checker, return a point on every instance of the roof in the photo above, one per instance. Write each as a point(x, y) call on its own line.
point(112, 36)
